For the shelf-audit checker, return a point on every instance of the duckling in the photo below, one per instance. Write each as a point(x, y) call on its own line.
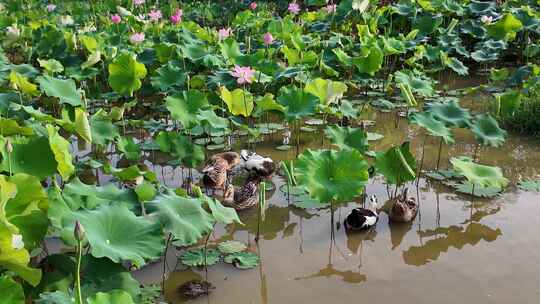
point(217, 168)
point(257, 164)
point(244, 197)
point(404, 209)
point(363, 218)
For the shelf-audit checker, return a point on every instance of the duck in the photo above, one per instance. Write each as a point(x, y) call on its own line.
point(257, 165)
point(363, 218)
point(404, 209)
point(243, 197)
point(216, 170)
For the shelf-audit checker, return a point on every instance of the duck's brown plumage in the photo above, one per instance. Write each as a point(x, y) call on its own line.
point(215, 170)
point(404, 209)
point(244, 197)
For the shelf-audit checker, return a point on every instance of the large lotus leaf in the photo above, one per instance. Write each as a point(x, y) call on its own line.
point(30, 155)
point(184, 217)
point(347, 137)
point(508, 102)
point(185, 106)
point(21, 83)
point(168, 76)
point(103, 130)
point(481, 8)
point(129, 148)
point(433, 127)
point(475, 190)
point(330, 175)
point(418, 83)
point(190, 154)
point(229, 247)
point(328, 91)
point(297, 102)
point(504, 27)
point(9, 127)
point(239, 102)
point(483, 175)
point(222, 214)
point(60, 148)
point(487, 131)
point(243, 260)
point(198, 257)
point(125, 74)
point(267, 103)
point(396, 164)
point(371, 63)
point(82, 124)
point(51, 65)
point(210, 117)
point(11, 291)
point(65, 90)
point(113, 297)
point(118, 234)
point(16, 259)
point(450, 113)
point(79, 195)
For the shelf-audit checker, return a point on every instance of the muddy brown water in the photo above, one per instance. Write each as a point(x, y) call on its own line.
point(458, 249)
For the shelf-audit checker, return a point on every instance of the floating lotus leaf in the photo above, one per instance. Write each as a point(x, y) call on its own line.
point(330, 175)
point(487, 131)
point(185, 106)
point(450, 113)
point(397, 164)
point(243, 260)
point(197, 257)
point(297, 102)
point(229, 247)
point(476, 190)
point(11, 291)
point(481, 8)
point(112, 297)
point(347, 137)
point(239, 102)
point(184, 217)
point(60, 148)
point(529, 185)
point(118, 234)
point(327, 91)
point(433, 127)
point(65, 90)
point(482, 175)
point(505, 27)
point(222, 214)
point(125, 74)
point(442, 175)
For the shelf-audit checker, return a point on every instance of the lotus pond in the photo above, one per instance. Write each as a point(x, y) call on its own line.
point(115, 115)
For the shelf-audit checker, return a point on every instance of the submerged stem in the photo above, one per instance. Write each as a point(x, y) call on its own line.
point(439, 157)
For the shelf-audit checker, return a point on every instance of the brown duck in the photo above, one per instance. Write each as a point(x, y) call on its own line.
point(244, 197)
point(404, 209)
point(217, 168)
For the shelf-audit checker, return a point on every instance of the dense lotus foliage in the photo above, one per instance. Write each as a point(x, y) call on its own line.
point(100, 87)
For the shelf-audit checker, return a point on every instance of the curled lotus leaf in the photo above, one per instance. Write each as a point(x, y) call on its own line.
point(433, 126)
point(487, 131)
point(485, 176)
point(450, 113)
point(396, 164)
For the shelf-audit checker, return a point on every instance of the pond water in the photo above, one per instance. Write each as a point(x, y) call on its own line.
point(458, 249)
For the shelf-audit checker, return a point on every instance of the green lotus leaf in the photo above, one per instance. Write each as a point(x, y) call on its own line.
point(450, 113)
point(433, 126)
point(65, 90)
point(129, 148)
point(82, 124)
point(330, 175)
point(146, 191)
point(371, 63)
point(92, 59)
point(9, 127)
point(239, 102)
point(21, 83)
point(529, 185)
point(112, 297)
point(60, 148)
point(185, 106)
point(267, 103)
point(197, 257)
point(51, 65)
point(243, 260)
point(103, 130)
point(222, 214)
point(475, 190)
point(168, 76)
point(56, 297)
point(30, 155)
point(487, 131)
point(505, 27)
point(427, 23)
point(125, 74)
point(188, 153)
point(210, 117)
point(396, 164)
point(297, 102)
point(508, 103)
point(454, 63)
point(184, 217)
point(327, 91)
point(347, 137)
point(11, 291)
point(346, 108)
point(418, 84)
point(483, 7)
point(229, 247)
point(16, 259)
point(230, 49)
point(485, 176)
point(118, 234)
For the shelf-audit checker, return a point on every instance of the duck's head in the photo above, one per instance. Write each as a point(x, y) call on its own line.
point(244, 154)
point(232, 158)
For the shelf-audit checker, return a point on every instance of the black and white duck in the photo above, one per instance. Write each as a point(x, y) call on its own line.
point(363, 218)
point(257, 165)
point(216, 170)
point(404, 208)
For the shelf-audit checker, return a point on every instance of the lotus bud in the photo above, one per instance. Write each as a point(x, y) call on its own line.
point(9, 146)
point(79, 232)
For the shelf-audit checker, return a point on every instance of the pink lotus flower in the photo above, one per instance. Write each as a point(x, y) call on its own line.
point(243, 74)
point(51, 7)
point(224, 33)
point(294, 8)
point(253, 5)
point(116, 19)
point(138, 2)
point(136, 38)
point(155, 15)
point(330, 8)
point(268, 39)
point(177, 17)
point(486, 19)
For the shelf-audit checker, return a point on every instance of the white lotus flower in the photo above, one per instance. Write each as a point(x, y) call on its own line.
point(66, 20)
